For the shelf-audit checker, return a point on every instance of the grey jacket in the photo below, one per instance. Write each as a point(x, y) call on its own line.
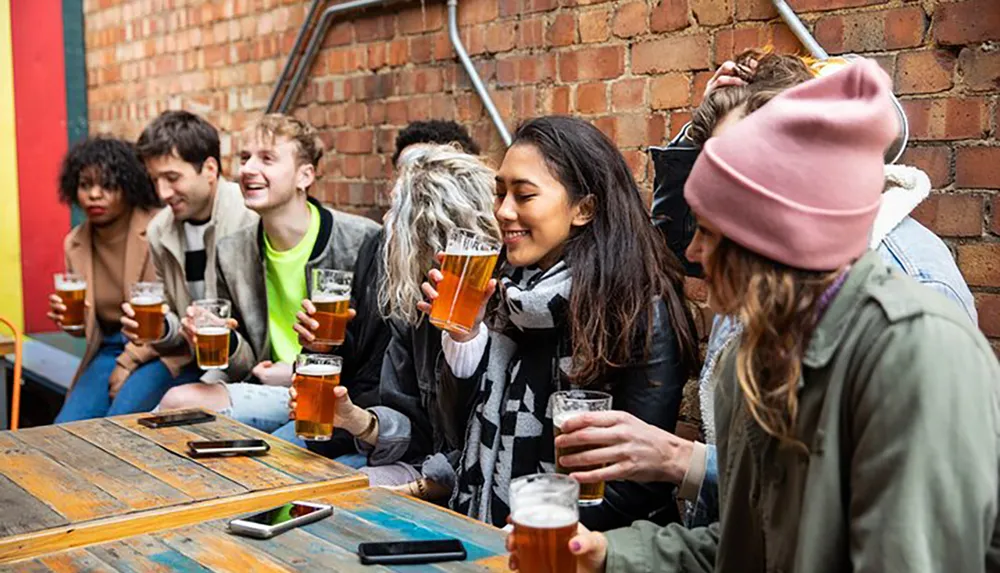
point(899, 407)
point(166, 244)
point(240, 269)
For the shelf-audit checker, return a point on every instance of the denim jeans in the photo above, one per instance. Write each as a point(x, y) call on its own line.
point(140, 393)
point(287, 433)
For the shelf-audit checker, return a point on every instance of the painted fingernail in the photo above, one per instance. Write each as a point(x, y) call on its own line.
point(574, 546)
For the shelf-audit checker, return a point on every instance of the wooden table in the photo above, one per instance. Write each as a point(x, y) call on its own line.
point(329, 545)
point(97, 480)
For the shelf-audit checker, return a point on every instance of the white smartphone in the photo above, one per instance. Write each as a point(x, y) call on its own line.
point(228, 447)
point(271, 522)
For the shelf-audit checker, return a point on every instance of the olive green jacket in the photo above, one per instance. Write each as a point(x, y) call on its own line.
point(899, 406)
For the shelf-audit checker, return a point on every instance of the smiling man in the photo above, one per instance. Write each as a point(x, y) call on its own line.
point(181, 153)
point(265, 269)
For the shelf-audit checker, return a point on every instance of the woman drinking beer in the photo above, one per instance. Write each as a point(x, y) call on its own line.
point(856, 416)
point(438, 189)
point(108, 253)
point(588, 300)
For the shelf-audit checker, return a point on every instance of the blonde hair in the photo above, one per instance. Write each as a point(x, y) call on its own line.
point(274, 125)
point(778, 306)
point(438, 189)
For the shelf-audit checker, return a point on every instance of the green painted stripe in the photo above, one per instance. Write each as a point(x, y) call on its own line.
point(76, 79)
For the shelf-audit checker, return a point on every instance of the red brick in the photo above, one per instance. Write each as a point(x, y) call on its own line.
point(599, 63)
point(656, 129)
point(678, 119)
point(754, 10)
point(977, 167)
point(398, 52)
point(979, 264)
point(631, 130)
point(631, 19)
point(531, 6)
point(712, 12)
point(967, 22)
point(698, 85)
point(669, 15)
point(592, 98)
point(995, 219)
point(531, 33)
point(988, 307)
point(729, 43)
point(927, 71)
point(636, 161)
point(594, 25)
point(671, 54)
point(469, 108)
point(628, 94)
point(946, 118)
point(376, 55)
point(872, 31)
point(951, 215)
point(352, 166)
point(501, 37)
point(562, 30)
point(607, 125)
point(426, 17)
point(821, 5)
point(670, 91)
point(477, 13)
point(355, 141)
point(420, 49)
point(980, 69)
point(934, 161)
point(829, 32)
point(904, 27)
point(555, 100)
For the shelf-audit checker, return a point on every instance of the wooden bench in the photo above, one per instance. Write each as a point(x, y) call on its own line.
point(50, 361)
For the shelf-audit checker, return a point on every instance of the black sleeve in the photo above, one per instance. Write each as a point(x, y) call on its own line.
point(652, 392)
point(399, 389)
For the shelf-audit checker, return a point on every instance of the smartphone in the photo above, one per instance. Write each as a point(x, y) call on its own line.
point(228, 447)
point(411, 552)
point(271, 522)
point(179, 419)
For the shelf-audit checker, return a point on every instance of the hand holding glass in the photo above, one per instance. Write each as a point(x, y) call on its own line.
point(211, 324)
point(467, 266)
point(571, 403)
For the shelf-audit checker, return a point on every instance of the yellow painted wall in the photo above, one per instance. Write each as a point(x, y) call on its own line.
point(11, 301)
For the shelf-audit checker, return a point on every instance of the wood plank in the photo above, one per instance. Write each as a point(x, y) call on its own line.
point(74, 562)
point(22, 512)
point(246, 471)
point(45, 541)
point(33, 566)
point(177, 470)
point(288, 457)
point(62, 489)
point(221, 552)
point(145, 554)
point(125, 482)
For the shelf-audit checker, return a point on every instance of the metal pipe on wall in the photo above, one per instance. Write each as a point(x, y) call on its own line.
point(281, 102)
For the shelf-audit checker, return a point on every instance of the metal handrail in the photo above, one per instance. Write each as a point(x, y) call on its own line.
point(282, 99)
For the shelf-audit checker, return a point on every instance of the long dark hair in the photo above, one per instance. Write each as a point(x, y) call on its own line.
point(617, 262)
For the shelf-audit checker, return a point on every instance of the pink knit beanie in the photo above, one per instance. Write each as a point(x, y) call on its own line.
point(799, 180)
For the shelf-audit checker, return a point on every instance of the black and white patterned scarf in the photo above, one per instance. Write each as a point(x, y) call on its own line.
point(510, 430)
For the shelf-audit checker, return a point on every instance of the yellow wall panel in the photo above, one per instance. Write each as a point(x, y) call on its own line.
point(11, 301)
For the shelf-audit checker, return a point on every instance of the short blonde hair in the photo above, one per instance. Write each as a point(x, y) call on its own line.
point(274, 125)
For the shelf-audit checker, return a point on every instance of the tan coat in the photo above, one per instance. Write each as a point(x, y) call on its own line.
point(79, 253)
point(166, 244)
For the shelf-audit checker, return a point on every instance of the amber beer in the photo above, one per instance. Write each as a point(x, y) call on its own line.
point(467, 268)
point(331, 295)
point(211, 324)
point(147, 302)
point(566, 405)
point(316, 375)
point(72, 289)
point(545, 515)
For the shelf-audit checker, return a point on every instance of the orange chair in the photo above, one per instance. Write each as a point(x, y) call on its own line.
point(15, 401)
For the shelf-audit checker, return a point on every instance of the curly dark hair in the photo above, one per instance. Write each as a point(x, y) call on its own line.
point(117, 168)
point(194, 139)
point(434, 131)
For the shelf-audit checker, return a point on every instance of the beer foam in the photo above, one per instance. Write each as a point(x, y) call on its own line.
point(318, 370)
point(472, 253)
point(71, 285)
point(212, 330)
point(146, 300)
point(545, 516)
point(562, 417)
point(325, 298)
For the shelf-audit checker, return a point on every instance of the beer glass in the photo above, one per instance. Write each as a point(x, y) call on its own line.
point(544, 510)
point(72, 289)
point(571, 403)
point(147, 300)
point(316, 375)
point(331, 295)
point(468, 265)
point(211, 325)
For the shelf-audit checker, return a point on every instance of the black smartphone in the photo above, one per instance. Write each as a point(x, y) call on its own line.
point(228, 447)
point(271, 522)
point(178, 419)
point(411, 552)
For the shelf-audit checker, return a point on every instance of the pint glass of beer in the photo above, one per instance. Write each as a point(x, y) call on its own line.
point(544, 510)
point(468, 265)
point(147, 302)
point(331, 295)
point(72, 289)
point(316, 375)
point(211, 325)
point(571, 403)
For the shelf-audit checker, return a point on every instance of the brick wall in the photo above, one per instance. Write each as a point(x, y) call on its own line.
point(633, 67)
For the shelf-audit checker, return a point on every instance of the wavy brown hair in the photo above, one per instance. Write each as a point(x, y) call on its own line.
point(778, 306)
